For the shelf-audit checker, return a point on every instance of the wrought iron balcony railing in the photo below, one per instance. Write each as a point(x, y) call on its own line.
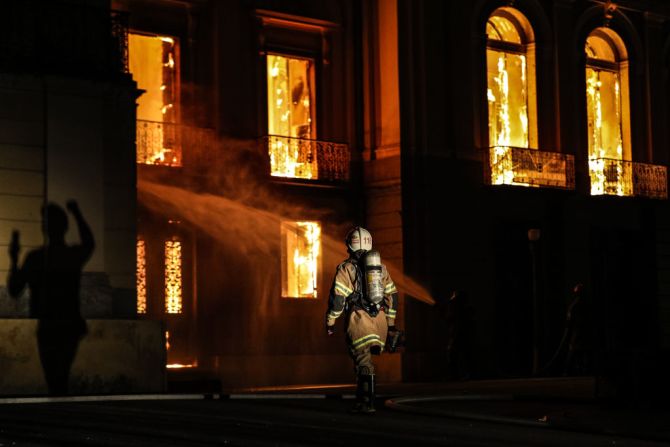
point(158, 143)
point(627, 178)
point(164, 143)
point(507, 165)
point(300, 158)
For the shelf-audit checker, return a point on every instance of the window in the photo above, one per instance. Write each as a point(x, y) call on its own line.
point(291, 123)
point(154, 64)
point(141, 277)
point(173, 277)
point(510, 62)
point(301, 247)
point(172, 272)
point(608, 116)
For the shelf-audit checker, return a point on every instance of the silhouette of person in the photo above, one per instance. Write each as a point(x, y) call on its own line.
point(53, 274)
point(577, 320)
point(457, 316)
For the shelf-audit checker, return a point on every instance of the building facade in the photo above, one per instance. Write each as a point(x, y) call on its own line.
point(450, 130)
point(67, 134)
point(534, 153)
point(254, 131)
point(504, 149)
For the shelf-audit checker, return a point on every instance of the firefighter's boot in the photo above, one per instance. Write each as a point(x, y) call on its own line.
point(364, 395)
point(360, 393)
point(369, 397)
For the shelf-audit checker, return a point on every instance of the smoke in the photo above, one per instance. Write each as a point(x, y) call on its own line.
point(224, 219)
point(252, 231)
point(228, 198)
point(230, 201)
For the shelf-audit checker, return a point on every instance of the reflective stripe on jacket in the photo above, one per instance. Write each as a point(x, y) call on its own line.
point(362, 329)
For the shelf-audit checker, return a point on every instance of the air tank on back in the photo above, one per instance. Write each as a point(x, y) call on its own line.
point(373, 277)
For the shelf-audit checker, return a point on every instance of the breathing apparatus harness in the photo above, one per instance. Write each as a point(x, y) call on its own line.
point(369, 293)
point(369, 290)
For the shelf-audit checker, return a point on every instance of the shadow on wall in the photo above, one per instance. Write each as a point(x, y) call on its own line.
point(53, 275)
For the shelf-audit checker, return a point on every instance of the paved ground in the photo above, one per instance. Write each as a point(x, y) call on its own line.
point(299, 422)
point(454, 414)
point(557, 403)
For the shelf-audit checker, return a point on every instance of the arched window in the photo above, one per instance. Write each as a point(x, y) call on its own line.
point(608, 115)
point(510, 62)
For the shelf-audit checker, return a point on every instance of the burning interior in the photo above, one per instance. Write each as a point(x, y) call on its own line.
point(607, 114)
point(166, 294)
point(249, 250)
point(510, 62)
point(291, 124)
point(301, 245)
point(153, 61)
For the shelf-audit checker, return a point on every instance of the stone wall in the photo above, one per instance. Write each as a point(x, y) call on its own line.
point(115, 356)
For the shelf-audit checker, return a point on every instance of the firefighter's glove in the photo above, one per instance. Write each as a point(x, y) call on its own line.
point(330, 330)
point(394, 339)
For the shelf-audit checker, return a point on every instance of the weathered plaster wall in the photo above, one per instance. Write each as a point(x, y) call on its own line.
point(115, 356)
point(63, 139)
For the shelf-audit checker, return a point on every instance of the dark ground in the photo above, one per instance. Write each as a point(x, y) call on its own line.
point(464, 417)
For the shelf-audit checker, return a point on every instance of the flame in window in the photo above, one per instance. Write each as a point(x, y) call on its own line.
point(301, 245)
point(606, 166)
point(606, 101)
point(290, 84)
point(508, 99)
point(173, 277)
point(153, 64)
point(141, 277)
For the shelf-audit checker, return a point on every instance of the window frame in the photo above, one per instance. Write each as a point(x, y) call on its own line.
point(314, 94)
point(177, 106)
point(284, 259)
point(172, 126)
point(619, 67)
point(527, 49)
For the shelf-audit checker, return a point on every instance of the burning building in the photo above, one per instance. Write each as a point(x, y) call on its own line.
point(342, 113)
point(243, 138)
point(251, 131)
point(549, 117)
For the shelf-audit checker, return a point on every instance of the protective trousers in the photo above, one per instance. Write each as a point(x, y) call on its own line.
point(363, 365)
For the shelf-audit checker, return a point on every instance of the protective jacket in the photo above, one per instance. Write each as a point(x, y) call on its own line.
point(363, 328)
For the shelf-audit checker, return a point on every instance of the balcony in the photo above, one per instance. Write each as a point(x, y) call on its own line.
point(627, 178)
point(300, 158)
point(163, 144)
point(507, 165)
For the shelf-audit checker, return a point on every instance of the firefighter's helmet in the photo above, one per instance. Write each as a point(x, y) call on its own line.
point(359, 239)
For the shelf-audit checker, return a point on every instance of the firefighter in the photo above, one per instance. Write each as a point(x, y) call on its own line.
point(363, 291)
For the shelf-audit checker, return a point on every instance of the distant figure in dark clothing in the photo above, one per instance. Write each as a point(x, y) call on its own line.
point(457, 316)
point(577, 322)
point(53, 274)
